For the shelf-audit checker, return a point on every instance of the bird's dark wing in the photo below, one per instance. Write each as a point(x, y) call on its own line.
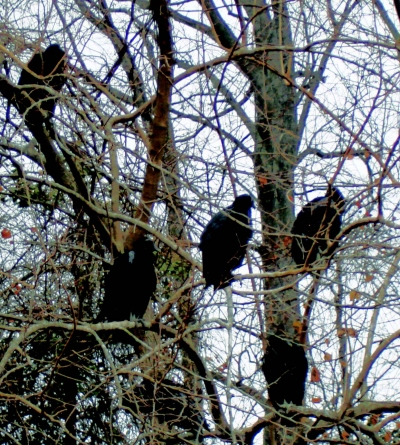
point(114, 306)
point(214, 230)
point(310, 230)
point(51, 64)
point(223, 244)
point(35, 65)
point(285, 369)
point(219, 246)
point(301, 242)
point(143, 283)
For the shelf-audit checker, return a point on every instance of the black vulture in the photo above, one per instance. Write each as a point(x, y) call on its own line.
point(130, 283)
point(285, 369)
point(51, 65)
point(319, 221)
point(224, 241)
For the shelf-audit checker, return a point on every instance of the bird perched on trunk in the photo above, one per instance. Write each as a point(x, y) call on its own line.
point(319, 221)
point(49, 65)
point(224, 241)
point(285, 369)
point(130, 283)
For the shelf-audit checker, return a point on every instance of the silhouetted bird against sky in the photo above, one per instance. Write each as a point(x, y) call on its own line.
point(130, 283)
point(224, 241)
point(319, 221)
point(51, 65)
point(285, 369)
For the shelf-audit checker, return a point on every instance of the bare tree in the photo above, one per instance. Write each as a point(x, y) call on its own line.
point(167, 111)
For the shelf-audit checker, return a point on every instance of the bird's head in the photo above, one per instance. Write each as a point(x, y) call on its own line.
point(145, 248)
point(242, 204)
point(54, 51)
point(337, 199)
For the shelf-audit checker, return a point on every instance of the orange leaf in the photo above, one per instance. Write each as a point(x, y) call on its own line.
point(297, 325)
point(315, 375)
point(327, 357)
point(388, 436)
point(262, 180)
point(345, 435)
point(341, 332)
point(373, 420)
point(369, 278)
point(222, 367)
point(327, 341)
point(354, 295)
point(367, 154)
point(5, 233)
point(349, 154)
point(358, 204)
point(316, 400)
point(351, 332)
point(287, 240)
point(398, 425)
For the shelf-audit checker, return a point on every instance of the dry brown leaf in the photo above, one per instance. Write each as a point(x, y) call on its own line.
point(373, 420)
point(297, 325)
point(349, 154)
point(287, 240)
point(327, 357)
point(5, 233)
point(369, 278)
point(387, 436)
point(354, 295)
point(351, 332)
point(345, 435)
point(262, 180)
point(315, 375)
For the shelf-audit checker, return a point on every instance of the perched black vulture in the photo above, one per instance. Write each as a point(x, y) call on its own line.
point(224, 241)
point(285, 369)
point(130, 283)
point(319, 221)
point(51, 65)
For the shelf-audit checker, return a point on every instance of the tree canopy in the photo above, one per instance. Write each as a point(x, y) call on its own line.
point(165, 112)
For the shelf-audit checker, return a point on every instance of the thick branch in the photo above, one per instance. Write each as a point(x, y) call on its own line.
point(159, 130)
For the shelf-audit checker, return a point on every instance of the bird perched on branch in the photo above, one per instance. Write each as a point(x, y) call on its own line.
point(285, 369)
point(130, 283)
point(224, 241)
point(319, 221)
point(49, 65)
